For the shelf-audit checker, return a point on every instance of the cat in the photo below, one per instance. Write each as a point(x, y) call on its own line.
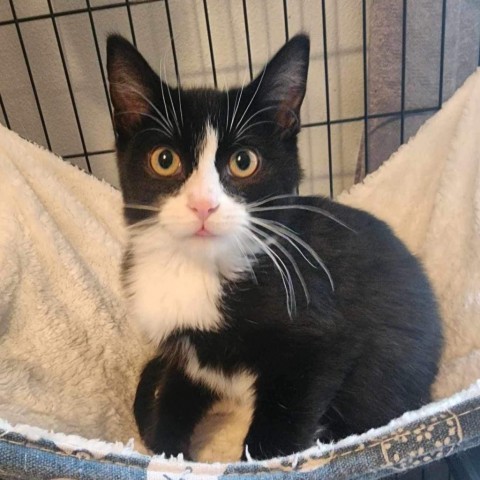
point(313, 311)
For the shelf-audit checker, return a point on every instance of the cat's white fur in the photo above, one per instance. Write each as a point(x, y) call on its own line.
point(238, 386)
point(176, 277)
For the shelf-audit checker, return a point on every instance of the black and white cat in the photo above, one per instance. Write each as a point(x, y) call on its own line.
point(314, 311)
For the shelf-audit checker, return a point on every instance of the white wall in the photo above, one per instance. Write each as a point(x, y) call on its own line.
point(267, 34)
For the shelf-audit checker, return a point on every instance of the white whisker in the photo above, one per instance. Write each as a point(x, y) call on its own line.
point(308, 208)
point(142, 224)
point(247, 258)
point(283, 231)
point(180, 101)
point(252, 99)
point(237, 102)
point(162, 66)
point(271, 198)
point(290, 258)
point(277, 231)
point(284, 273)
point(155, 119)
point(174, 111)
point(171, 102)
point(240, 135)
point(161, 118)
point(140, 206)
point(258, 112)
point(159, 130)
point(228, 102)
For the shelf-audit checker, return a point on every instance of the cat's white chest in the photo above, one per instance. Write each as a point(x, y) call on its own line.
point(168, 291)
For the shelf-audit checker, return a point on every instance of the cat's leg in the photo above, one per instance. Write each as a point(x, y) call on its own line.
point(168, 406)
point(287, 414)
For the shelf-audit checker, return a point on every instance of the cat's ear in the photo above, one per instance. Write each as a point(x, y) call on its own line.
point(132, 84)
point(282, 83)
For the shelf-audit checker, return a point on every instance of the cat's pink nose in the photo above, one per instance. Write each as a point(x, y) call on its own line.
point(203, 207)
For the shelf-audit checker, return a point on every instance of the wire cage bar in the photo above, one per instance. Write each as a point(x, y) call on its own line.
point(30, 75)
point(328, 122)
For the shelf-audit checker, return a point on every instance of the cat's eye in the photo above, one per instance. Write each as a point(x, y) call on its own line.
point(243, 163)
point(165, 162)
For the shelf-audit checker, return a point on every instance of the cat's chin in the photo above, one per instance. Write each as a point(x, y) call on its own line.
point(214, 250)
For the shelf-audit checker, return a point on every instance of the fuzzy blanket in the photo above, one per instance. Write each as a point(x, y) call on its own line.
point(69, 358)
point(429, 193)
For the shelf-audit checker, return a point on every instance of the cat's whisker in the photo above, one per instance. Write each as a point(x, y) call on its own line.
point(162, 66)
point(159, 130)
point(277, 231)
point(233, 111)
point(228, 102)
point(180, 105)
point(282, 269)
point(271, 198)
point(174, 110)
point(238, 99)
point(161, 117)
point(281, 226)
point(165, 105)
point(180, 101)
point(240, 127)
point(282, 231)
point(241, 246)
point(140, 206)
point(293, 235)
point(258, 112)
point(266, 109)
point(260, 201)
point(252, 99)
point(171, 100)
point(308, 208)
point(155, 119)
point(266, 249)
point(240, 135)
point(169, 94)
point(289, 257)
point(142, 224)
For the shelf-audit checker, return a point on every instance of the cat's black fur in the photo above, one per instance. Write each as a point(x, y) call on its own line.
point(355, 357)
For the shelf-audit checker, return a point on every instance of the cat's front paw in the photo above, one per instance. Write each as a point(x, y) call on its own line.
point(168, 446)
point(259, 451)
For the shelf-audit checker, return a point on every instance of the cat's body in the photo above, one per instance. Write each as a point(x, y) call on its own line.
point(313, 311)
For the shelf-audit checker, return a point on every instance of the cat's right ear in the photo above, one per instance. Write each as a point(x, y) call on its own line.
point(282, 83)
point(132, 84)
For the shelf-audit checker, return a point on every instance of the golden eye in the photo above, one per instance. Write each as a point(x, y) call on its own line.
point(243, 163)
point(165, 162)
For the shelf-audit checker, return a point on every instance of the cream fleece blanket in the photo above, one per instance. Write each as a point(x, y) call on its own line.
point(69, 359)
point(429, 193)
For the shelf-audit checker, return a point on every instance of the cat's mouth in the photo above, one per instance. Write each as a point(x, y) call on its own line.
point(203, 232)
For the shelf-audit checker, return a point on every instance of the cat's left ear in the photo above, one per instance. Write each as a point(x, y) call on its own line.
point(132, 84)
point(282, 83)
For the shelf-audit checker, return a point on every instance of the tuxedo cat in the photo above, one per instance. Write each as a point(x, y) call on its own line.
point(312, 310)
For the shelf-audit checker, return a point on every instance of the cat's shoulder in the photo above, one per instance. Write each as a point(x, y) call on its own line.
point(322, 210)
point(330, 222)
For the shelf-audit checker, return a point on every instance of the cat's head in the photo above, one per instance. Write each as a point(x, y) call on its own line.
point(193, 160)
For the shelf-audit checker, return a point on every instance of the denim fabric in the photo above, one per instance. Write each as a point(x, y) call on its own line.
point(397, 450)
